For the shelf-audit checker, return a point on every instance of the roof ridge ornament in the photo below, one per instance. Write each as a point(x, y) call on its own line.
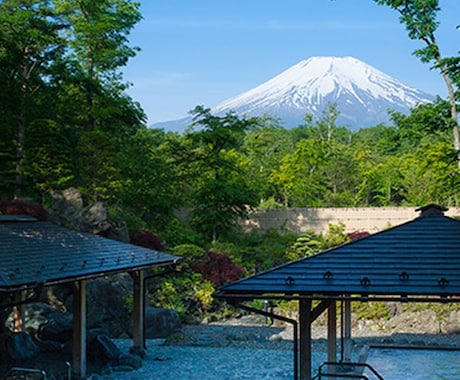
point(431, 209)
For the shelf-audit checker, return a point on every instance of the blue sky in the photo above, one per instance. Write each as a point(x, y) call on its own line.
point(201, 52)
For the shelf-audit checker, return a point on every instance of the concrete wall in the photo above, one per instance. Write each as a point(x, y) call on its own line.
point(318, 219)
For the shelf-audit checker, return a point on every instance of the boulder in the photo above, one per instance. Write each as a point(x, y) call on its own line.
point(100, 347)
point(17, 347)
point(69, 209)
point(58, 328)
point(452, 324)
point(105, 308)
point(160, 323)
point(129, 361)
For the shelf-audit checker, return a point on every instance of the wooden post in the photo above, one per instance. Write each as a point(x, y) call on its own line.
point(138, 313)
point(305, 319)
point(332, 335)
point(347, 332)
point(18, 312)
point(79, 331)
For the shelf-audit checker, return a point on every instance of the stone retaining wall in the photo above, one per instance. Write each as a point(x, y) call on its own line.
point(318, 219)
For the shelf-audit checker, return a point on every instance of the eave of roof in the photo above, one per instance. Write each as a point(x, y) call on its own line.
point(420, 258)
point(36, 253)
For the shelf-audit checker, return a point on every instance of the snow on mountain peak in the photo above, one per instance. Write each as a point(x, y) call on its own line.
point(362, 92)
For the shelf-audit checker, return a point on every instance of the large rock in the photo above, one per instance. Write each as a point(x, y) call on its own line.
point(57, 327)
point(17, 347)
point(424, 321)
point(68, 209)
point(160, 323)
point(452, 324)
point(101, 347)
point(51, 319)
point(105, 309)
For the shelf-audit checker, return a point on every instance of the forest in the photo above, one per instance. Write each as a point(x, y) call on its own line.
point(67, 121)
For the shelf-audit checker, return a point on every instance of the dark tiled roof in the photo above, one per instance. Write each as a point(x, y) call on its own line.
point(40, 253)
point(418, 258)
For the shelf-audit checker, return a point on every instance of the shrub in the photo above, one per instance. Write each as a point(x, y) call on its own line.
point(22, 207)
point(190, 253)
point(259, 251)
point(146, 239)
point(218, 268)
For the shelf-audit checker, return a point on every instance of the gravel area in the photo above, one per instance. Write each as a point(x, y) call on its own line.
point(248, 349)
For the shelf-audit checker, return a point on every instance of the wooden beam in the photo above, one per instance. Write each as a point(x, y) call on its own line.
point(79, 363)
point(18, 311)
point(305, 319)
point(332, 335)
point(320, 309)
point(138, 313)
point(347, 344)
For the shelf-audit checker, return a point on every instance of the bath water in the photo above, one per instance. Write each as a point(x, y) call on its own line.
point(415, 364)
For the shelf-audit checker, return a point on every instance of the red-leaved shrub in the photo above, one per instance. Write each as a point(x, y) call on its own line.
point(358, 235)
point(218, 268)
point(146, 239)
point(21, 207)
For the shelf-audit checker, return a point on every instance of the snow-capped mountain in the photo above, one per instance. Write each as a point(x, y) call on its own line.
point(363, 94)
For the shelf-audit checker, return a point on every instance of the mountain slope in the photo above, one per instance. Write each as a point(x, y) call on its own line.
point(363, 94)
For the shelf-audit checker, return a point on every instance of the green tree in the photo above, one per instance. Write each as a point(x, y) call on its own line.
point(324, 128)
point(300, 175)
point(265, 145)
point(222, 192)
point(150, 181)
point(426, 123)
point(380, 180)
point(48, 161)
point(419, 17)
point(30, 44)
point(430, 175)
point(381, 139)
point(97, 37)
point(99, 172)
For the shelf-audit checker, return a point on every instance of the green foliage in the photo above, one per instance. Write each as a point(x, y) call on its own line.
point(189, 290)
point(335, 235)
point(132, 219)
point(222, 193)
point(190, 253)
point(264, 147)
point(128, 303)
point(427, 123)
point(420, 20)
point(204, 294)
point(258, 251)
point(321, 168)
point(99, 172)
point(371, 310)
point(270, 203)
point(430, 174)
point(48, 161)
point(309, 243)
point(175, 293)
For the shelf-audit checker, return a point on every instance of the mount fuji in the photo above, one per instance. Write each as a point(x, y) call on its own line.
point(363, 95)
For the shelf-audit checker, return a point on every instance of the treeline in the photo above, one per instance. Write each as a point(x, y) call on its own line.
point(66, 121)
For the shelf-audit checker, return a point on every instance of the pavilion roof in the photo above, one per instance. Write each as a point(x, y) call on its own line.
point(36, 253)
point(417, 260)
